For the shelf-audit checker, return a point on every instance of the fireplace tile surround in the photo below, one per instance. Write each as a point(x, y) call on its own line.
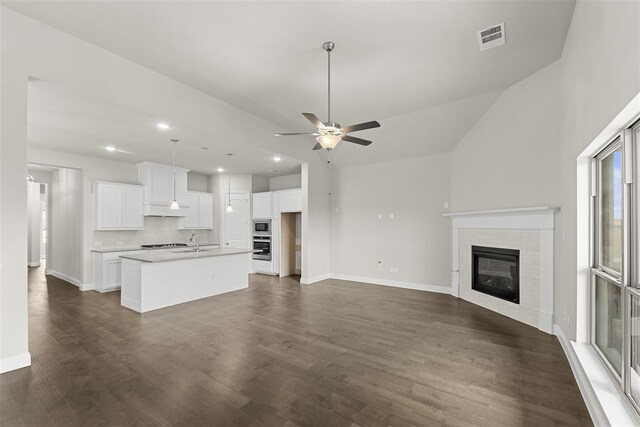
point(529, 230)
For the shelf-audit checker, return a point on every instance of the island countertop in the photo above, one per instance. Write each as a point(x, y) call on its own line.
point(140, 248)
point(186, 254)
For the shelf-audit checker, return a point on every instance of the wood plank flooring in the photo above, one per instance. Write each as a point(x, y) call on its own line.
point(281, 354)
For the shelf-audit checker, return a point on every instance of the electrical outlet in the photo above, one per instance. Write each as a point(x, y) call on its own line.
point(379, 216)
point(446, 205)
point(392, 215)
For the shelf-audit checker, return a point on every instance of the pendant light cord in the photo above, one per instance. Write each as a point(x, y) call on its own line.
point(174, 169)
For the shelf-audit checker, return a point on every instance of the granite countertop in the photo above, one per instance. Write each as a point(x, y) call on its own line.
point(179, 255)
point(138, 248)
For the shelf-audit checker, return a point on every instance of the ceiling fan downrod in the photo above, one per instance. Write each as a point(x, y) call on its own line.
point(329, 46)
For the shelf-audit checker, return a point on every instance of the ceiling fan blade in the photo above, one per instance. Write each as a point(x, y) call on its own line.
point(313, 119)
point(293, 133)
point(361, 126)
point(356, 140)
point(317, 146)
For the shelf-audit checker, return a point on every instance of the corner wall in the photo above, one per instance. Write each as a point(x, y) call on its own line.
point(523, 151)
point(414, 246)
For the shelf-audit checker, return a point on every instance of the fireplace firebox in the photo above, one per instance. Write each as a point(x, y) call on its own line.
point(496, 272)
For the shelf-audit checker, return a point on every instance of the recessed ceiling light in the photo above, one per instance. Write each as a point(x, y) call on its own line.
point(220, 169)
point(164, 126)
point(277, 159)
point(110, 148)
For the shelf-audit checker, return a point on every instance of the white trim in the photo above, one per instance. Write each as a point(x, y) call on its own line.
point(309, 280)
point(130, 304)
point(604, 399)
point(88, 287)
point(537, 218)
point(34, 264)
point(506, 219)
point(63, 276)
point(12, 363)
point(502, 211)
point(394, 283)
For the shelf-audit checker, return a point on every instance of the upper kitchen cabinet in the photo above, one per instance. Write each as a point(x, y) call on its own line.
point(118, 206)
point(262, 205)
point(287, 201)
point(157, 180)
point(199, 214)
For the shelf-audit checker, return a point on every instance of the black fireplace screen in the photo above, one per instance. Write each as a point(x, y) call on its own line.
point(496, 271)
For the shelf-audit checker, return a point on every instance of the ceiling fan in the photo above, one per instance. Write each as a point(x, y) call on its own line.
point(329, 133)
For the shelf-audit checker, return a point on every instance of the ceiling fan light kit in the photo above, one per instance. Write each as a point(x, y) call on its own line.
point(329, 134)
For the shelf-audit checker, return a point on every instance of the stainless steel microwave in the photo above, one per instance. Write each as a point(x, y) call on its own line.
point(262, 226)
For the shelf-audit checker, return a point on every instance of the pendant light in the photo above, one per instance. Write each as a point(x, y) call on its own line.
point(174, 203)
point(229, 208)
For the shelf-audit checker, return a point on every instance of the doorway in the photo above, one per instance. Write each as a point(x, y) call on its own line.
point(290, 244)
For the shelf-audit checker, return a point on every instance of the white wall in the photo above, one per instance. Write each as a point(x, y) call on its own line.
point(259, 184)
point(285, 182)
point(34, 214)
point(14, 352)
point(510, 158)
point(197, 182)
point(417, 241)
point(316, 221)
point(65, 234)
point(600, 76)
point(534, 132)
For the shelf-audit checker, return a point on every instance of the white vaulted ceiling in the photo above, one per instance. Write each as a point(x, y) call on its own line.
point(413, 66)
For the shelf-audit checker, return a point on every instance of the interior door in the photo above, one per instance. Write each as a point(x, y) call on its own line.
point(236, 223)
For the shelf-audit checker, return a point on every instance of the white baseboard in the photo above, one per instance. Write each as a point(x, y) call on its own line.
point(309, 280)
point(87, 287)
point(64, 277)
point(15, 362)
point(130, 304)
point(34, 264)
point(394, 283)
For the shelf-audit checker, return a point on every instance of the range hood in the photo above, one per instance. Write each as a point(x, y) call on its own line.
point(157, 180)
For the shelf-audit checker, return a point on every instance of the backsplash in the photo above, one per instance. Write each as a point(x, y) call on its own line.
point(156, 230)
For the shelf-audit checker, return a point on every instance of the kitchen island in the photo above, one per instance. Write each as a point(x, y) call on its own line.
point(156, 280)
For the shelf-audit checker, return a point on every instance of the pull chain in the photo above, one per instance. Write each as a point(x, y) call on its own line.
point(330, 178)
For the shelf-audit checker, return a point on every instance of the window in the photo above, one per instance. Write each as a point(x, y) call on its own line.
point(615, 272)
point(608, 259)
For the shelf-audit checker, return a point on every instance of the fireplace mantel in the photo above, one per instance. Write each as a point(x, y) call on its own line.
point(539, 219)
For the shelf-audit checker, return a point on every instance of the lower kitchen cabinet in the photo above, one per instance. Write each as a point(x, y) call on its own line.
point(107, 268)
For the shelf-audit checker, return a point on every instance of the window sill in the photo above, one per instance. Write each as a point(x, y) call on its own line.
point(606, 403)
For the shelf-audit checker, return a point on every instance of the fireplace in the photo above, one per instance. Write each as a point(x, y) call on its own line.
point(496, 272)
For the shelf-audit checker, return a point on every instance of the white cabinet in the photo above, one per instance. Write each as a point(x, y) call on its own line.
point(262, 205)
point(157, 180)
point(290, 200)
point(199, 214)
point(118, 206)
point(107, 270)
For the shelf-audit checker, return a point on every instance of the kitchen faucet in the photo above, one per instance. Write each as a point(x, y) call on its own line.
point(197, 241)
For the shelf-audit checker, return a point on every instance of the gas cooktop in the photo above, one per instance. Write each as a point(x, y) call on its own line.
point(163, 245)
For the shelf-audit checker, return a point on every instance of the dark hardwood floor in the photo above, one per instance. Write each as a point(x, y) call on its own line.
point(282, 354)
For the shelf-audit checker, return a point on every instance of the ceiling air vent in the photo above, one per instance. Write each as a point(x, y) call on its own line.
point(491, 37)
